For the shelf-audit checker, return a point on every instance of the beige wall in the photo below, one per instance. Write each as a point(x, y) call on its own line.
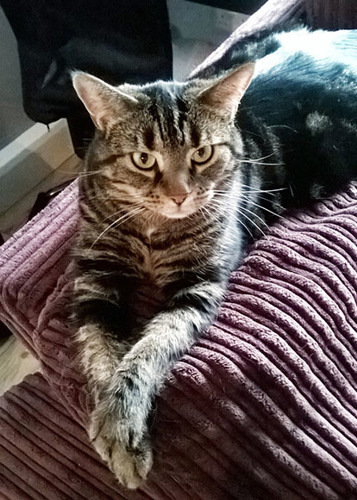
point(13, 120)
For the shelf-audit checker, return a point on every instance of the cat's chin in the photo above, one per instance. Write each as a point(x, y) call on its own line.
point(187, 209)
point(178, 216)
point(179, 213)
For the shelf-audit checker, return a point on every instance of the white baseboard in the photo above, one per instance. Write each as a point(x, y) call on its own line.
point(30, 158)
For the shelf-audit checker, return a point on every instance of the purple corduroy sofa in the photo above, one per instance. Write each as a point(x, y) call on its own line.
point(264, 405)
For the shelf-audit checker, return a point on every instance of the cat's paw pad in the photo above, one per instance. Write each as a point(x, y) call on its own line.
point(128, 454)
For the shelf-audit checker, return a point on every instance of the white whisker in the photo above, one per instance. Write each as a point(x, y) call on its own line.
point(254, 190)
point(246, 228)
point(261, 207)
point(252, 162)
point(259, 159)
point(134, 205)
point(255, 215)
point(119, 221)
point(251, 221)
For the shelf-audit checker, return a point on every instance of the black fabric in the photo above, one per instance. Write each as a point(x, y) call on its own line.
point(123, 40)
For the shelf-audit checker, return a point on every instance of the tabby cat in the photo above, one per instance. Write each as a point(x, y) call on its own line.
point(176, 184)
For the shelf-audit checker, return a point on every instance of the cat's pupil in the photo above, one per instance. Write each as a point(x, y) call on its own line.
point(144, 158)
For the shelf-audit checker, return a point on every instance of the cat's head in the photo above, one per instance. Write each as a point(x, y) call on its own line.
point(167, 147)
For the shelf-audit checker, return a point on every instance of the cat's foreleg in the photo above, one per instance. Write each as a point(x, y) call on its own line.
point(119, 426)
point(102, 339)
point(101, 318)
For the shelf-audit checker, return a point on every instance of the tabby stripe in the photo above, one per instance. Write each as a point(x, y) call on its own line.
point(182, 117)
point(157, 118)
point(195, 136)
point(202, 304)
point(113, 317)
point(108, 160)
point(149, 138)
point(186, 239)
point(170, 120)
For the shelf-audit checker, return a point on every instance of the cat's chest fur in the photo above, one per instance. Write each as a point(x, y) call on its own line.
point(159, 255)
point(156, 256)
point(151, 257)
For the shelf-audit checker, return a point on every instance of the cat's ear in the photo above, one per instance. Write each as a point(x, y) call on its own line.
point(103, 101)
point(226, 93)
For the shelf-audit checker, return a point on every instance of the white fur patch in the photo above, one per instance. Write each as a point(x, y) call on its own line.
point(340, 46)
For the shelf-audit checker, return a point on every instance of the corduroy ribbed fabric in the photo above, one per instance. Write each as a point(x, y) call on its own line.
point(265, 403)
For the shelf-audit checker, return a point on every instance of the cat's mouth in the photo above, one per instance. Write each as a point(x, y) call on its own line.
point(179, 206)
point(173, 210)
point(178, 212)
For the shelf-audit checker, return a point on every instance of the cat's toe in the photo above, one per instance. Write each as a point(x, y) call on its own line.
point(130, 465)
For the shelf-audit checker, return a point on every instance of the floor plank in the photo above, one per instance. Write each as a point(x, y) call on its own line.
point(15, 363)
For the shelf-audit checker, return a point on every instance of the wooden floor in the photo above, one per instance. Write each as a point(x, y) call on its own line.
point(15, 363)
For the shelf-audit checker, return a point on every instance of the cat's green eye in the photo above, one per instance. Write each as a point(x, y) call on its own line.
point(202, 155)
point(143, 161)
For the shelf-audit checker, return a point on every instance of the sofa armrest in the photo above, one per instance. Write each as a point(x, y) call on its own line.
point(265, 401)
point(32, 261)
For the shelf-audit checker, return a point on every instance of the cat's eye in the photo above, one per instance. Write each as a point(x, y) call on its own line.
point(202, 155)
point(143, 161)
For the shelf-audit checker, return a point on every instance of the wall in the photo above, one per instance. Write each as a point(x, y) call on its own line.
point(197, 30)
point(13, 120)
point(29, 153)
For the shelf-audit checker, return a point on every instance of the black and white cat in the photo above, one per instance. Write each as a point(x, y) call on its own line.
point(179, 177)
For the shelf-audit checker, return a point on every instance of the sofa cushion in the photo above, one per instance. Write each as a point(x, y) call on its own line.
point(266, 400)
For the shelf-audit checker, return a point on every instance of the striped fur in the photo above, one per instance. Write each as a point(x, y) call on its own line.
point(180, 226)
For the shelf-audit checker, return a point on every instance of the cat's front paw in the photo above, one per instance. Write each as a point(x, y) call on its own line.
point(125, 449)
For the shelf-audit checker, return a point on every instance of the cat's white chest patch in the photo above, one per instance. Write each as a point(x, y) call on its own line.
point(147, 257)
point(149, 231)
point(152, 262)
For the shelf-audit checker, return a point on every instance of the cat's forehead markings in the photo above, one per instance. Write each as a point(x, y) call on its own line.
point(196, 136)
point(167, 111)
point(149, 138)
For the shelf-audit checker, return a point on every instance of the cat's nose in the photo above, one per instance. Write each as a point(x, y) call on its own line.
point(179, 198)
